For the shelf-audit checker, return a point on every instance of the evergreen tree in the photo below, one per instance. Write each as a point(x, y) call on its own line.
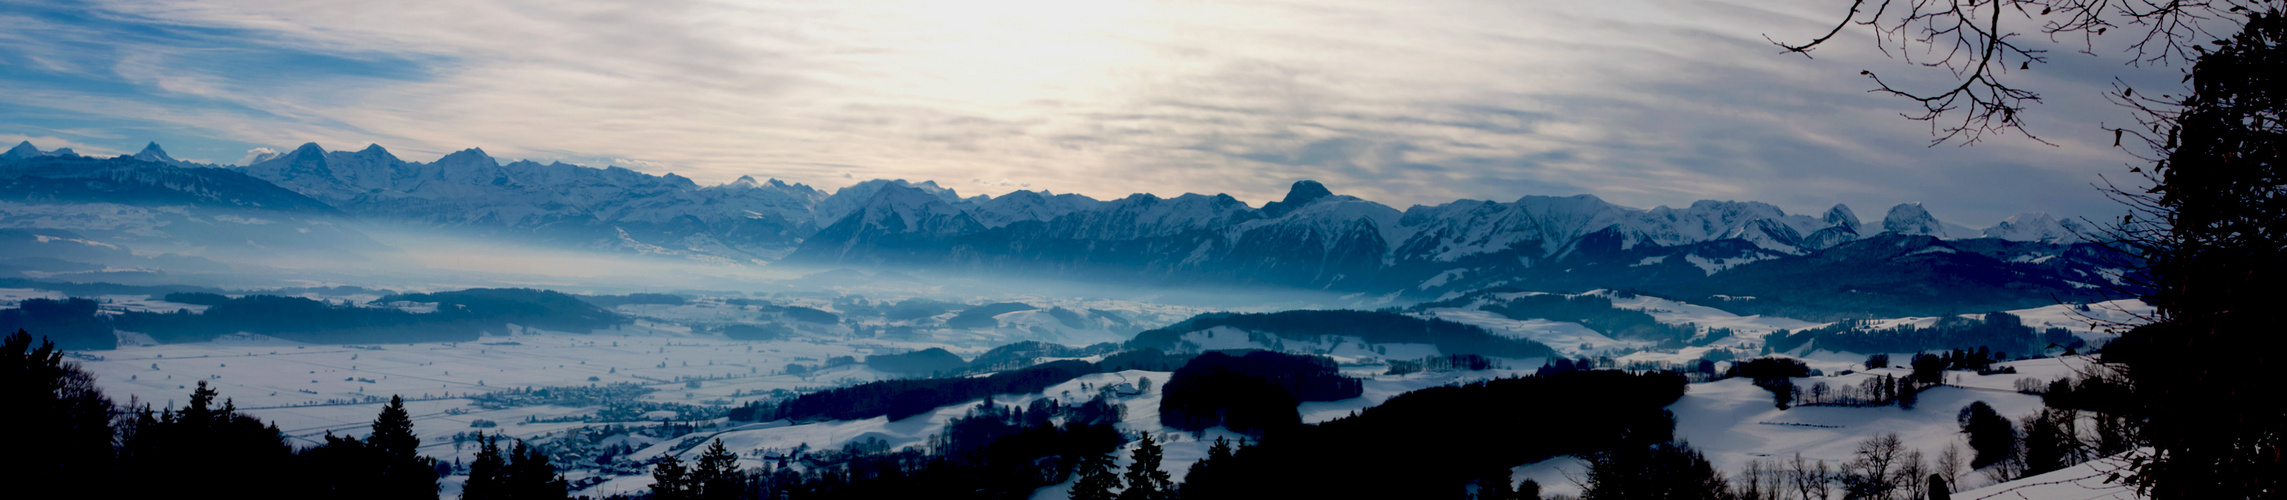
point(488, 473)
point(1529, 490)
point(340, 468)
point(61, 421)
point(670, 480)
point(1145, 480)
point(1207, 473)
point(531, 477)
point(405, 474)
point(167, 449)
point(1096, 478)
point(717, 475)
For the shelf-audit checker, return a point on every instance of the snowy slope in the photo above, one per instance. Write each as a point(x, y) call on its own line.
point(2039, 226)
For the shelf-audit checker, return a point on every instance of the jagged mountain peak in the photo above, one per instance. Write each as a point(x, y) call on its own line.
point(1304, 192)
point(849, 199)
point(22, 150)
point(1841, 216)
point(1911, 218)
point(153, 153)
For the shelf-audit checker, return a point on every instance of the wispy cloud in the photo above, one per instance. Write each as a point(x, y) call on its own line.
point(1643, 102)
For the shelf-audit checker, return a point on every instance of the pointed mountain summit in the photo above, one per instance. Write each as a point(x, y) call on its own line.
point(1303, 192)
point(1842, 227)
point(21, 151)
point(1912, 219)
point(152, 153)
point(1841, 216)
point(468, 157)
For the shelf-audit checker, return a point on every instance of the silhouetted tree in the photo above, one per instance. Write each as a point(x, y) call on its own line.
point(60, 423)
point(1494, 485)
point(530, 476)
point(405, 474)
point(1990, 434)
point(1871, 472)
point(1810, 481)
point(1207, 473)
point(1144, 478)
point(2205, 237)
point(2212, 233)
point(167, 449)
point(488, 473)
point(1096, 478)
point(717, 474)
point(2052, 440)
point(1664, 471)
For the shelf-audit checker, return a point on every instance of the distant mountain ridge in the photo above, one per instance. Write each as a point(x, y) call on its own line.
point(608, 208)
point(1313, 238)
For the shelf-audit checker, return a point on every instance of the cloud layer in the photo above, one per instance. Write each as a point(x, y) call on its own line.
point(1642, 102)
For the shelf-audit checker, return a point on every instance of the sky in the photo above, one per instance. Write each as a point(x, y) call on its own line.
point(1640, 102)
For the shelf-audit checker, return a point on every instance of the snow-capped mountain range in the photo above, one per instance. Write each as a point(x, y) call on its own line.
point(612, 208)
point(1312, 238)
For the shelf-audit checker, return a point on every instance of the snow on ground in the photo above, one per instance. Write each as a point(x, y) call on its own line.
point(308, 390)
point(1732, 421)
point(1382, 388)
point(2080, 482)
point(1676, 313)
point(10, 297)
point(1568, 338)
point(2091, 324)
point(1563, 475)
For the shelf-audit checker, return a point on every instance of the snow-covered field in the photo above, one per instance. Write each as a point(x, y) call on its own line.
point(309, 390)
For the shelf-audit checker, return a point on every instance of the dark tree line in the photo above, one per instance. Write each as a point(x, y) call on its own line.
point(71, 323)
point(1660, 471)
point(1371, 326)
point(993, 452)
point(1251, 393)
point(516, 473)
point(899, 399)
point(74, 442)
point(1997, 332)
point(1440, 441)
point(460, 316)
point(1775, 374)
